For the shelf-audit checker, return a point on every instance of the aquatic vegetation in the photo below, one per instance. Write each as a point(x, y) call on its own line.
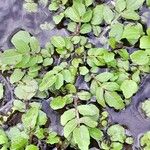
point(79, 79)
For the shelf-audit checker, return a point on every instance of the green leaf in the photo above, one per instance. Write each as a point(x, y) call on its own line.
point(19, 106)
point(97, 15)
point(18, 142)
point(48, 80)
point(30, 7)
point(117, 133)
point(27, 89)
point(1, 91)
point(100, 96)
point(10, 57)
point(30, 118)
point(59, 81)
point(88, 110)
point(16, 76)
point(72, 26)
point(144, 141)
point(32, 147)
point(139, 57)
point(47, 61)
point(120, 5)
point(76, 11)
point(83, 70)
point(85, 28)
point(69, 127)
point(145, 42)
point(57, 19)
point(116, 31)
point(82, 133)
point(148, 3)
point(64, 1)
point(96, 30)
point(21, 41)
point(34, 44)
point(87, 16)
point(108, 14)
point(145, 107)
point(73, 14)
point(130, 14)
point(67, 75)
point(67, 116)
point(88, 121)
point(96, 133)
point(114, 100)
point(131, 32)
point(84, 95)
point(134, 4)
point(58, 41)
point(88, 2)
point(25, 36)
point(104, 77)
point(52, 138)
point(110, 86)
point(53, 6)
point(58, 103)
point(129, 87)
point(3, 137)
point(42, 118)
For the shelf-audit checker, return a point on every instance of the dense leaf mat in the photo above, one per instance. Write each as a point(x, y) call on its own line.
point(78, 78)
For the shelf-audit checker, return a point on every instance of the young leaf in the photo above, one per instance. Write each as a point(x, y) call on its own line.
point(67, 116)
point(58, 103)
point(32, 147)
point(48, 80)
point(85, 28)
point(30, 118)
point(59, 81)
point(134, 4)
point(104, 77)
point(144, 42)
point(16, 76)
point(88, 110)
point(84, 95)
point(117, 133)
point(120, 5)
point(88, 2)
point(130, 14)
point(108, 14)
point(114, 100)
point(10, 57)
point(96, 133)
point(88, 121)
point(87, 16)
point(69, 127)
point(58, 42)
point(139, 57)
point(145, 108)
point(34, 44)
point(97, 15)
point(82, 133)
point(3, 137)
point(129, 87)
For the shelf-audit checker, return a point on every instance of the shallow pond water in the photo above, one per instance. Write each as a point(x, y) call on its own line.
point(14, 18)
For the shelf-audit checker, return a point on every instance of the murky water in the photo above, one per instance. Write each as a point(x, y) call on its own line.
point(14, 18)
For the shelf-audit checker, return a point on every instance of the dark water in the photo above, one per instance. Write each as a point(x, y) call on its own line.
point(14, 18)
